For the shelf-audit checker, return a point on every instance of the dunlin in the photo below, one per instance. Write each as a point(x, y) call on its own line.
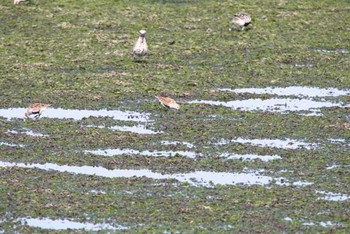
point(168, 102)
point(140, 47)
point(36, 109)
point(241, 19)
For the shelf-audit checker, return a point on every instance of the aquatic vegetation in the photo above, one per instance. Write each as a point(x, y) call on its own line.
point(260, 143)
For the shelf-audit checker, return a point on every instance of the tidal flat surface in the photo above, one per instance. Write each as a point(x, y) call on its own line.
point(260, 143)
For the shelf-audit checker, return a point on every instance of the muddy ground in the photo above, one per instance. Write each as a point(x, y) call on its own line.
point(238, 157)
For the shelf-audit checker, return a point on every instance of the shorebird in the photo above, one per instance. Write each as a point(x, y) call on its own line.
point(18, 1)
point(168, 102)
point(36, 109)
point(140, 47)
point(241, 19)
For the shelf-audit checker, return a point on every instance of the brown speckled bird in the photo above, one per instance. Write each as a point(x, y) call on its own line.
point(36, 109)
point(241, 19)
point(140, 47)
point(168, 102)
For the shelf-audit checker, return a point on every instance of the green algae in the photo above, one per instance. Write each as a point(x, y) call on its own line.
point(77, 55)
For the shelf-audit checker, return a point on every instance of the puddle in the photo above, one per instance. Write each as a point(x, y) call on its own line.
point(300, 91)
point(187, 144)
point(338, 140)
point(336, 166)
point(278, 105)
point(298, 183)
point(114, 152)
point(97, 191)
point(275, 143)
point(245, 157)
point(329, 196)
point(222, 178)
point(340, 51)
point(28, 132)
point(7, 144)
point(78, 114)
point(64, 224)
point(303, 65)
point(329, 224)
point(11, 145)
point(139, 129)
point(322, 224)
point(197, 178)
point(325, 224)
point(34, 134)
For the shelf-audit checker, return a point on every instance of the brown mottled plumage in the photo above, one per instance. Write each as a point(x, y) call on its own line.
point(140, 47)
point(168, 102)
point(36, 109)
point(241, 19)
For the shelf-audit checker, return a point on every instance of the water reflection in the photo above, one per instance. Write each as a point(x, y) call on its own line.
point(300, 91)
point(208, 179)
point(64, 224)
point(187, 144)
point(245, 157)
point(340, 51)
point(279, 105)
point(325, 224)
point(276, 143)
point(60, 113)
point(27, 132)
point(197, 178)
point(115, 152)
point(329, 196)
point(11, 145)
point(139, 129)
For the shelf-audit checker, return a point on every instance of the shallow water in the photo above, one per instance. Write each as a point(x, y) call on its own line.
point(139, 129)
point(340, 51)
point(75, 114)
point(329, 196)
point(300, 91)
point(227, 156)
point(246, 157)
point(115, 152)
point(303, 65)
point(336, 166)
point(11, 145)
point(325, 224)
point(197, 178)
point(28, 132)
point(276, 143)
point(278, 105)
point(187, 144)
point(207, 178)
point(64, 224)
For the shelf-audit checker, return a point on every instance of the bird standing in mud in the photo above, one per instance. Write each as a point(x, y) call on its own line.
point(140, 47)
point(241, 19)
point(168, 102)
point(36, 109)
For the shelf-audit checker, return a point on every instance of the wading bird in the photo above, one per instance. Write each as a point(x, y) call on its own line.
point(140, 47)
point(241, 19)
point(36, 109)
point(168, 102)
